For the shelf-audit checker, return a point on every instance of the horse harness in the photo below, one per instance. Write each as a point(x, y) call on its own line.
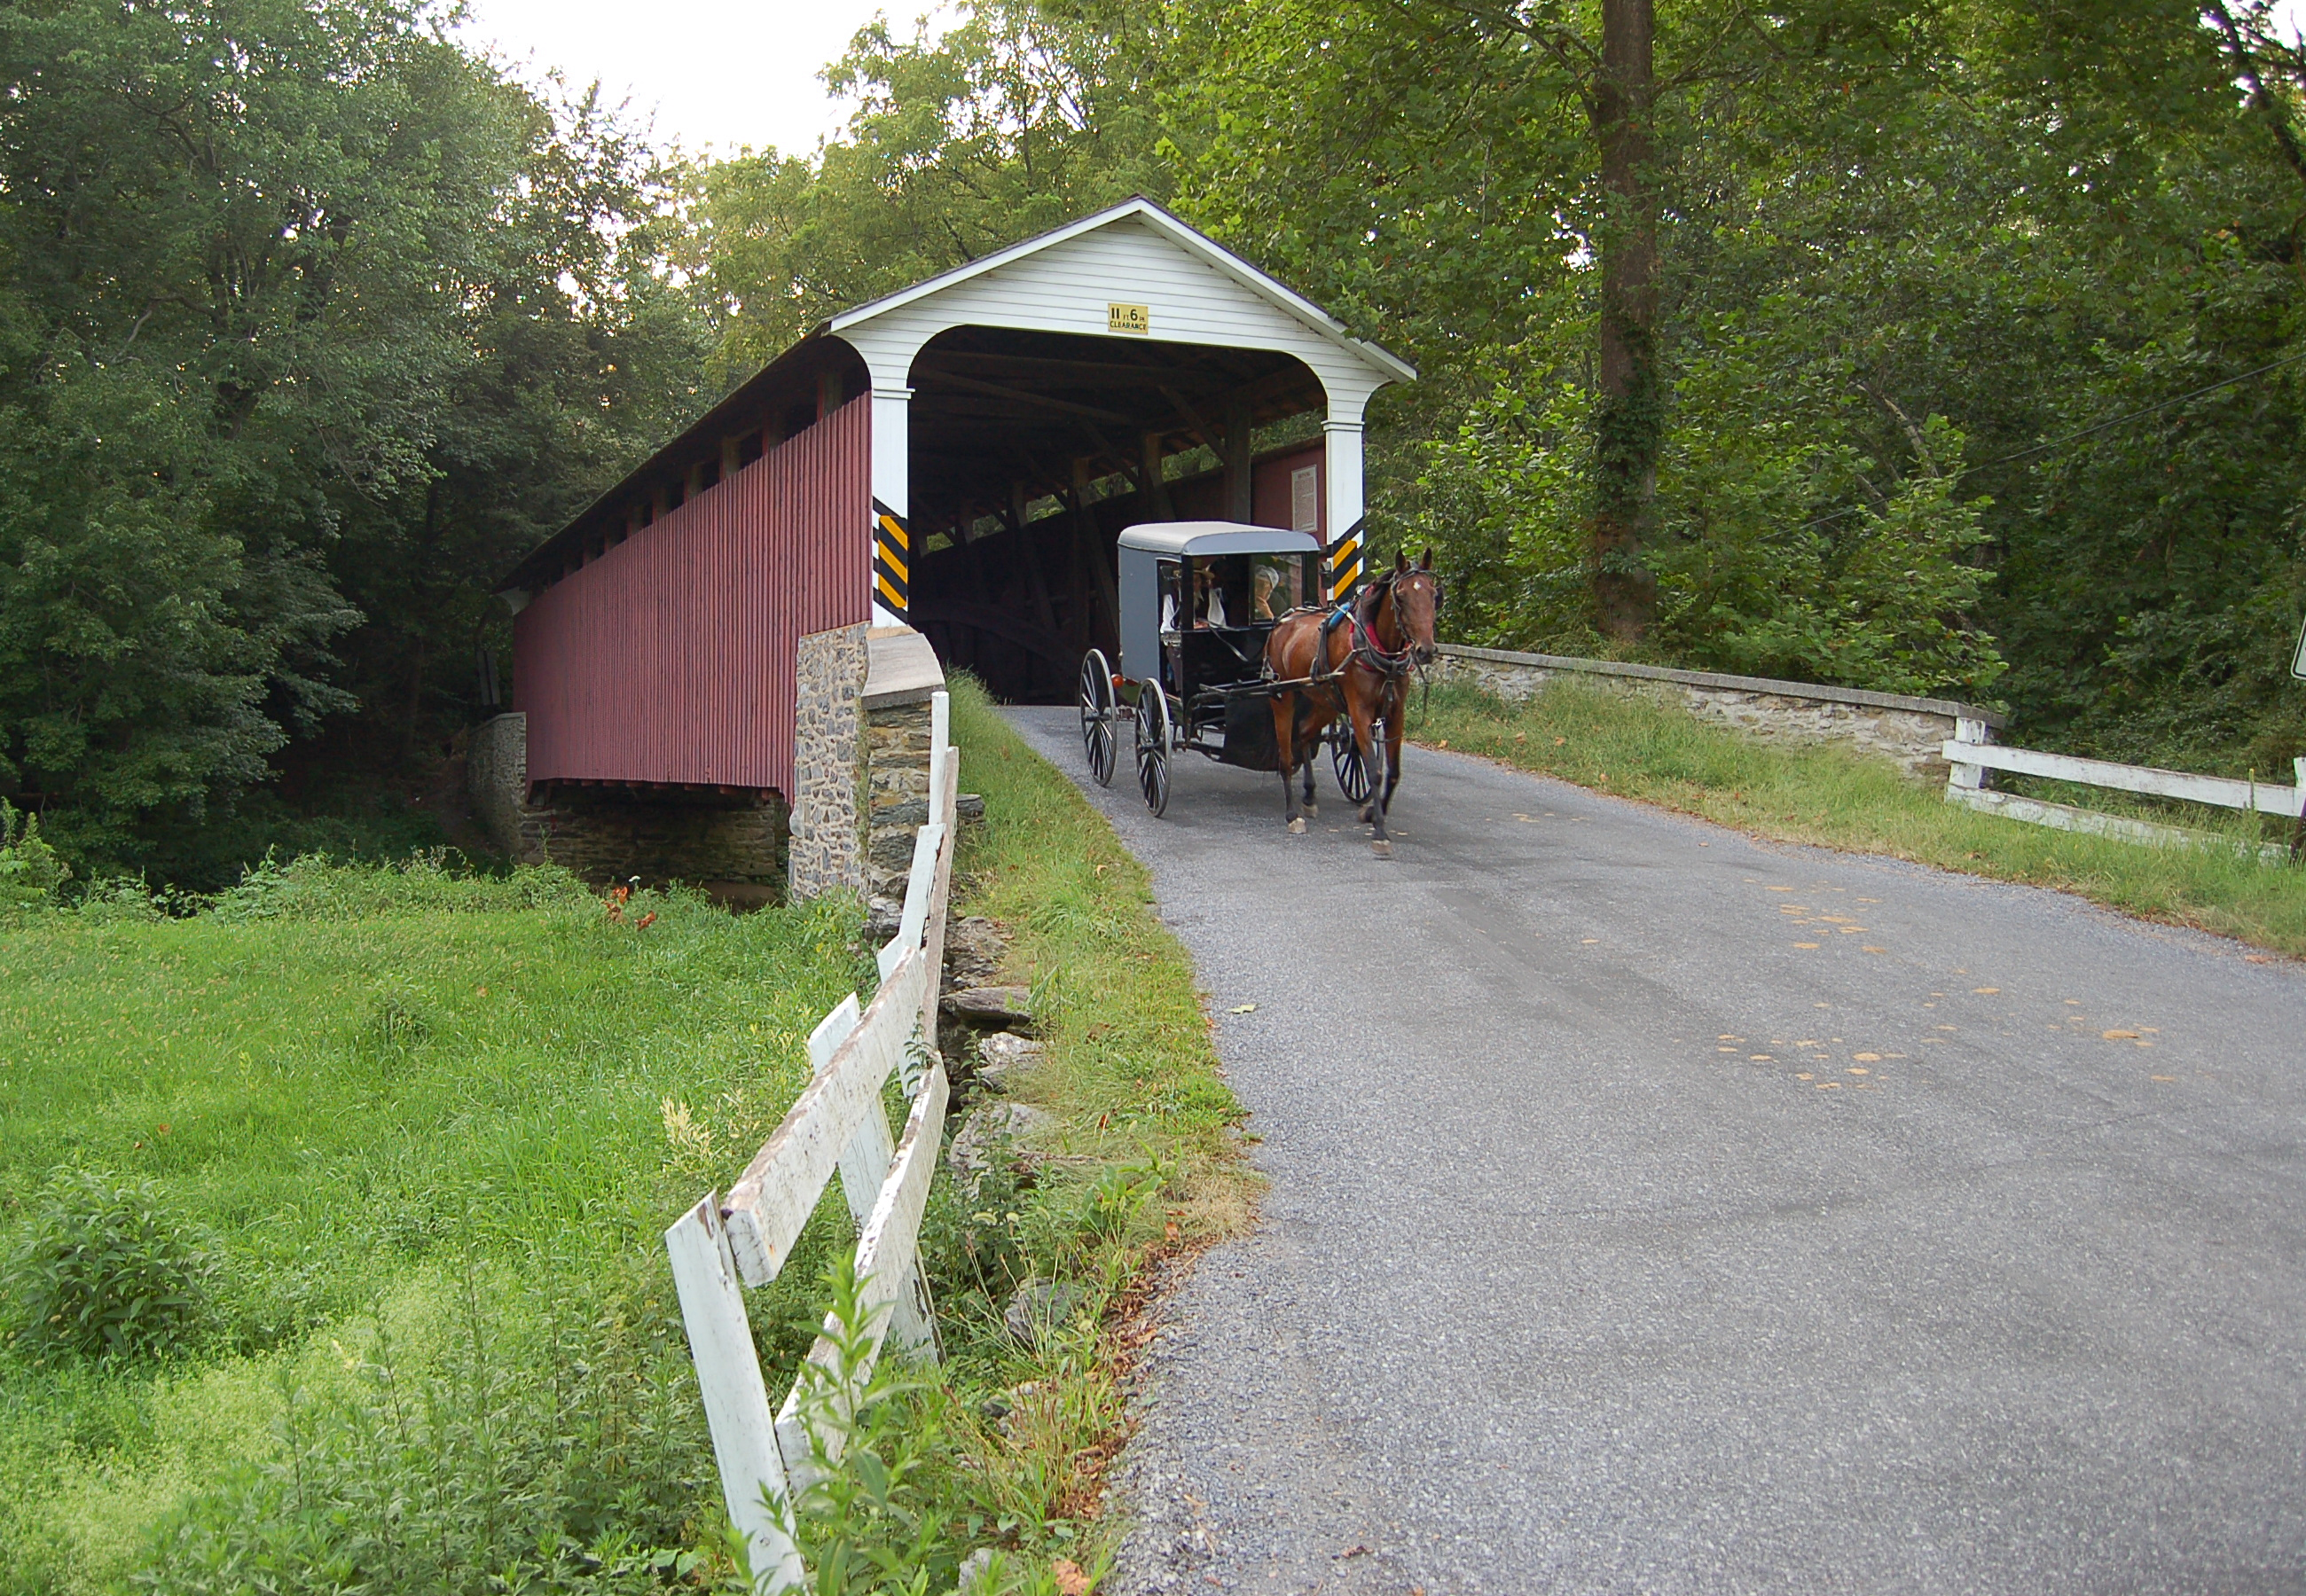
point(1365, 649)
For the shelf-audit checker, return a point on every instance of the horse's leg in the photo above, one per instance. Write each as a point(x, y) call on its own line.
point(1362, 711)
point(1309, 742)
point(1383, 743)
point(1285, 723)
point(1392, 747)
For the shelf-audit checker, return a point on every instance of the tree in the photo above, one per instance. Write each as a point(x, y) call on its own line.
point(310, 321)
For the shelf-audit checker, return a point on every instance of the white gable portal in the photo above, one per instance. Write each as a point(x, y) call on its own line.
point(1134, 272)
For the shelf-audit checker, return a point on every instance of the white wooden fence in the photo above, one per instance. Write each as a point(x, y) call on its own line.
point(1972, 756)
point(720, 1246)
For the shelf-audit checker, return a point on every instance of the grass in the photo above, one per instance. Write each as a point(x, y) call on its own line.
point(1133, 1070)
point(1144, 1163)
point(415, 1113)
point(429, 1127)
point(1633, 745)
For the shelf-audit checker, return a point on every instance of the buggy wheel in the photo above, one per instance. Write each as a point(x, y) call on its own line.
point(1153, 747)
point(1097, 713)
point(1345, 759)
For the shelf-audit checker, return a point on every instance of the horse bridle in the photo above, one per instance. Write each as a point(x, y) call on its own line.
point(1366, 649)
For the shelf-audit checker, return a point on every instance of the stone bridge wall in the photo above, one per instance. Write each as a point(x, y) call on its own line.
point(1908, 730)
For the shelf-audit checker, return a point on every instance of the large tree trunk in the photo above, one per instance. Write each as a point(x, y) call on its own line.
point(1629, 421)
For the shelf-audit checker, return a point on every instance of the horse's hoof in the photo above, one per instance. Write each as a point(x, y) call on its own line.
point(1383, 851)
point(1369, 815)
point(1297, 828)
point(1312, 811)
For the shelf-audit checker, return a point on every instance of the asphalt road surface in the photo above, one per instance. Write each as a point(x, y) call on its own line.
point(1655, 1209)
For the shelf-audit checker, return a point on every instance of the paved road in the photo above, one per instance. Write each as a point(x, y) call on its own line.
point(1654, 1209)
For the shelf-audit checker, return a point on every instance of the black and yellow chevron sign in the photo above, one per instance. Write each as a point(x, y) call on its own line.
point(1346, 564)
point(892, 561)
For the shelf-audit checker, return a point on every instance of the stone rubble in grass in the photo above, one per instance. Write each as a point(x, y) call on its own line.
point(974, 947)
point(998, 1006)
point(1004, 1057)
point(991, 1135)
point(1039, 1307)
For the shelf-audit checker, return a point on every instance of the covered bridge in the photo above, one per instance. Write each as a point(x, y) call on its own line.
point(700, 658)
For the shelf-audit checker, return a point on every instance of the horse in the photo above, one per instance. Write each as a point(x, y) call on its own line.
point(1355, 662)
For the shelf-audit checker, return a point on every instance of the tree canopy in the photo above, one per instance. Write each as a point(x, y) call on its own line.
point(1972, 332)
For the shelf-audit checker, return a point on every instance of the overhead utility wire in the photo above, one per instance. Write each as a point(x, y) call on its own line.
point(2287, 360)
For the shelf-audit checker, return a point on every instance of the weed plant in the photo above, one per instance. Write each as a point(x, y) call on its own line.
point(1637, 747)
point(103, 1270)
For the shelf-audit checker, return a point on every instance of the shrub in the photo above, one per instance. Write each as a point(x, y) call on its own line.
point(29, 870)
point(104, 1271)
point(555, 1445)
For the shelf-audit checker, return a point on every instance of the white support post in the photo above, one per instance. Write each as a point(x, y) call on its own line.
point(1341, 483)
point(940, 746)
point(892, 473)
point(736, 1399)
point(1967, 778)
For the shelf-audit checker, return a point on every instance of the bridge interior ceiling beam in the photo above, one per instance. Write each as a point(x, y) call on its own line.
point(994, 410)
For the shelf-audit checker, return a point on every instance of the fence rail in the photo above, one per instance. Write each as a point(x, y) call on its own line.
point(837, 1125)
point(1973, 758)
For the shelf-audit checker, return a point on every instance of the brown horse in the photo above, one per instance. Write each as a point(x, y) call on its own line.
point(1357, 662)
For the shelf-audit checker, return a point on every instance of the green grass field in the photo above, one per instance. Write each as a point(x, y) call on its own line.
point(1636, 746)
point(428, 1129)
point(410, 1114)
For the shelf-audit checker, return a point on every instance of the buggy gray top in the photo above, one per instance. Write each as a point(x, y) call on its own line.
point(1154, 562)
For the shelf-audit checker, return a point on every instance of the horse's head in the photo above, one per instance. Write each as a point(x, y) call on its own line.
point(1416, 604)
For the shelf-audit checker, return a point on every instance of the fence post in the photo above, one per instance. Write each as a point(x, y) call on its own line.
point(1969, 778)
point(736, 1399)
point(2298, 788)
point(940, 746)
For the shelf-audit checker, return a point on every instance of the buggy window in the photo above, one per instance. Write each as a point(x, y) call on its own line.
point(1278, 584)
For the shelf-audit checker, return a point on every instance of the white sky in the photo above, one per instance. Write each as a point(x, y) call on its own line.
point(710, 72)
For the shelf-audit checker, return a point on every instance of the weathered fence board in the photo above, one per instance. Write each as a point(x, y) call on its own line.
point(888, 1277)
point(2223, 791)
point(865, 1166)
point(736, 1399)
point(1972, 757)
point(778, 1191)
point(944, 785)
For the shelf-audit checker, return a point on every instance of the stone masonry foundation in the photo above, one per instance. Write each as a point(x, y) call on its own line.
point(827, 831)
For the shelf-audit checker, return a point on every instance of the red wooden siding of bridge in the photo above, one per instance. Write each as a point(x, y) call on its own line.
point(669, 657)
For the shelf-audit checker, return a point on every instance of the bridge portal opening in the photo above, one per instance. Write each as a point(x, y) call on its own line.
point(1031, 451)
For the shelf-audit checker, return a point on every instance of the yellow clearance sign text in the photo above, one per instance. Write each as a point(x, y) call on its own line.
point(1136, 319)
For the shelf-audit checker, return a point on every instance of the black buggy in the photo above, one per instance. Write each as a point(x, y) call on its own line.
point(1197, 600)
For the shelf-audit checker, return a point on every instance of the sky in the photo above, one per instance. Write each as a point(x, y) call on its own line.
point(717, 73)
